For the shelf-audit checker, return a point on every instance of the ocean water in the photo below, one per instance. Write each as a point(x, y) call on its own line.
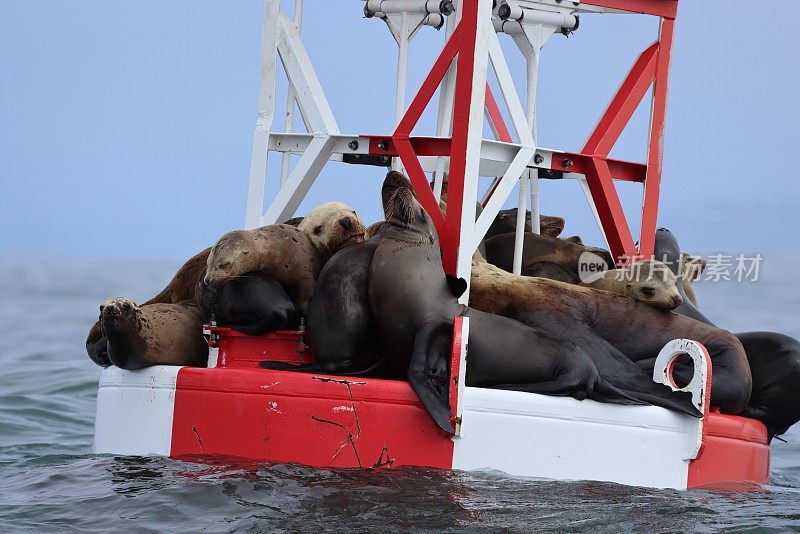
point(50, 481)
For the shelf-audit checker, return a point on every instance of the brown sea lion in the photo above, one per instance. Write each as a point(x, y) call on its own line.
point(542, 256)
point(293, 257)
point(602, 319)
point(649, 281)
point(341, 227)
point(373, 228)
point(180, 288)
point(413, 314)
point(281, 251)
point(506, 223)
point(153, 334)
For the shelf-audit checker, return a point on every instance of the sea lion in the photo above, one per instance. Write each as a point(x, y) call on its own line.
point(341, 227)
point(339, 318)
point(506, 223)
point(414, 322)
point(281, 251)
point(331, 227)
point(775, 363)
point(182, 286)
point(179, 289)
point(542, 256)
point(253, 303)
point(774, 358)
point(648, 281)
point(292, 256)
point(373, 228)
point(153, 334)
point(633, 328)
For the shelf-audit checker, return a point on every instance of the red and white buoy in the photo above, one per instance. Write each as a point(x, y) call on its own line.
point(235, 409)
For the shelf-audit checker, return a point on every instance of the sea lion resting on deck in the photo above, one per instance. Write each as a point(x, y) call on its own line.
point(774, 358)
point(181, 288)
point(327, 228)
point(414, 321)
point(547, 257)
point(506, 223)
point(156, 334)
point(293, 256)
point(612, 322)
point(253, 303)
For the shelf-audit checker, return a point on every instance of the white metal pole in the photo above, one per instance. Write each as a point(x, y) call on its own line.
point(402, 76)
point(532, 63)
point(288, 124)
point(444, 120)
point(485, 34)
point(266, 112)
point(520, 230)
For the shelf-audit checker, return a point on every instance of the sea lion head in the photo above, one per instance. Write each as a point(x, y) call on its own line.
point(401, 206)
point(692, 267)
point(332, 226)
point(231, 256)
point(120, 312)
point(667, 250)
point(506, 222)
point(652, 282)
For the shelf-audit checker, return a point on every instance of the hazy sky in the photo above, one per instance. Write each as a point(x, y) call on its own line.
point(126, 127)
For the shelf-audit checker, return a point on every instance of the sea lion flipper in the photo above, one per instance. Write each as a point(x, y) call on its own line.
point(283, 366)
point(97, 346)
point(605, 392)
point(428, 372)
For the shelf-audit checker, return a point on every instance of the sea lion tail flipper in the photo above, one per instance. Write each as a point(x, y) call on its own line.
point(376, 369)
point(315, 367)
point(605, 392)
point(283, 366)
point(600, 391)
point(679, 401)
point(97, 346)
point(646, 391)
point(428, 371)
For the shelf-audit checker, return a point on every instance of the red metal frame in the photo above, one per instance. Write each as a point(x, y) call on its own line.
point(660, 8)
point(495, 117)
point(650, 69)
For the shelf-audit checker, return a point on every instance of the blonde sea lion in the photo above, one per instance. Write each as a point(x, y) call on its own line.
point(649, 281)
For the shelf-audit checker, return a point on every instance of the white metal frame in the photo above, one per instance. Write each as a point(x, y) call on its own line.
point(322, 140)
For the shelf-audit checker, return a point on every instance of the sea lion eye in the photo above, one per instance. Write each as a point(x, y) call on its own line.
point(649, 291)
point(225, 264)
point(318, 230)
